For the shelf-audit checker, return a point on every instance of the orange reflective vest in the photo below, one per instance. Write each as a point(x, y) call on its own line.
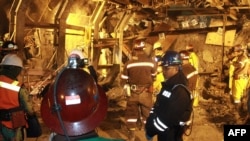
point(9, 90)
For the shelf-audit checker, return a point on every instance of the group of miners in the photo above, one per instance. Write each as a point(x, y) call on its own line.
point(142, 75)
point(73, 106)
point(157, 87)
point(74, 89)
point(161, 94)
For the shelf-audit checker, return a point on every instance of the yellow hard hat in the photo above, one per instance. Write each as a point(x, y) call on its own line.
point(157, 45)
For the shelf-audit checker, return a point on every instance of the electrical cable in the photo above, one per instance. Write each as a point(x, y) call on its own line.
point(57, 107)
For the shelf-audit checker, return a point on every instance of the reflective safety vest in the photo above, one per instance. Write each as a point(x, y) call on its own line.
point(194, 60)
point(9, 90)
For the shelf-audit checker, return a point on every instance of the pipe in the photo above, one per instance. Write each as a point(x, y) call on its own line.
point(62, 8)
point(15, 17)
point(223, 44)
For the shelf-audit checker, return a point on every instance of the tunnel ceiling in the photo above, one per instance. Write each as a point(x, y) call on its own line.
point(148, 16)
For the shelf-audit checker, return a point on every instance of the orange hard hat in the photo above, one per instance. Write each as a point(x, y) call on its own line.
point(79, 100)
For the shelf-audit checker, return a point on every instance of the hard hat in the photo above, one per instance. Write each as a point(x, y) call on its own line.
point(12, 60)
point(157, 45)
point(76, 53)
point(81, 102)
point(189, 47)
point(139, 44)
point(9, 45)
point(171, 58)
point(184, 54)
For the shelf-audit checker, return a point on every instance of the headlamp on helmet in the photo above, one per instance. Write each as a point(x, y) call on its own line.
point(77, 60)
point(9, 45)
point(171, 58)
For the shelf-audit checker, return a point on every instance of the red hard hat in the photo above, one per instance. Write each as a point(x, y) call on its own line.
point(82, 103)
point(139, 44)
point(189, 47)
point(184, 54)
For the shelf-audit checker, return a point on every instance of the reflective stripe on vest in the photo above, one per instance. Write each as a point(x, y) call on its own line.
point(12, 86)
point(140, 64)
point(159, 124)
point(192, 74)
point(132, 120)
point(124, 76)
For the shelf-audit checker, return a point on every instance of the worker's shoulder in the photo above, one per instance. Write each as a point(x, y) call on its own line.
point(181, 87)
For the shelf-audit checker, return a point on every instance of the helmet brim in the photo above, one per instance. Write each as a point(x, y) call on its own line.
point(74, 128)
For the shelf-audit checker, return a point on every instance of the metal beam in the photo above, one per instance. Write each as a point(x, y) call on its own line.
point(196, 30)
point(95, 20)
point(118, 54)
point(13, 18)
point(59, 38)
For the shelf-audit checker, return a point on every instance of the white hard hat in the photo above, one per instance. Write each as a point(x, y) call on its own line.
point(157, 45)
point(76, 53)
point(13, 60)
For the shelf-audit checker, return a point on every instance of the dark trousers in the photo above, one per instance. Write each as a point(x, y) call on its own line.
point(138, 104)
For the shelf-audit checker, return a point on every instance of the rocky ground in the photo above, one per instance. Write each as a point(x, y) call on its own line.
point(214, 111)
